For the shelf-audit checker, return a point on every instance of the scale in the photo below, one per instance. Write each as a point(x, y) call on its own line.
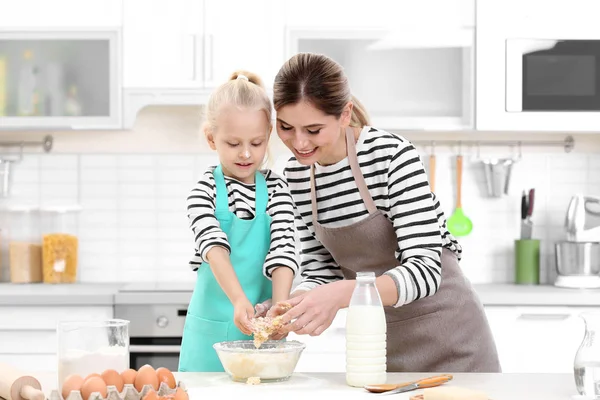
point(578, 281)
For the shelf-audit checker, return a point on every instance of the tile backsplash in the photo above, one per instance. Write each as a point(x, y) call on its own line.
point(133, 223)
point(132, 186)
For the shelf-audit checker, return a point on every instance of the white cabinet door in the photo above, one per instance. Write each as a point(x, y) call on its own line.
point(243, 36)
point(536, 339)
point(376, 13)
point(327, 352)
point(162, 40)
point(60, 13)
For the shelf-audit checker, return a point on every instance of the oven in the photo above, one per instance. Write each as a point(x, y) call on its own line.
point(156, 326)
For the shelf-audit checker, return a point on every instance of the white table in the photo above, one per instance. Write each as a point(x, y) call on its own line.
point(204, 386)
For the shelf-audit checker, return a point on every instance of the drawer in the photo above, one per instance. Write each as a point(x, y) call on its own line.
point(28, 342)
point(31, 362)
point(46, 318)
point(333, 340)
point(322, 362)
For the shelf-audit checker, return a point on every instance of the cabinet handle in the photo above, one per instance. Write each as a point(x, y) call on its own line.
point(209, 60)
point(548, 317)
point(194, 56)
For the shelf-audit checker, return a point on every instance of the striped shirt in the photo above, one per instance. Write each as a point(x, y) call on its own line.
point(206, 228)
point(398, 184)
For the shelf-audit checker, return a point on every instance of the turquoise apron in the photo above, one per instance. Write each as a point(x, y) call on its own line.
point(210, 314)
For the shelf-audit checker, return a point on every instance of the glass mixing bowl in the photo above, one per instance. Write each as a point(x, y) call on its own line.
point(274, 361)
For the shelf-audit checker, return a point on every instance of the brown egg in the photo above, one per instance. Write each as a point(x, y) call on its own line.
point(92, 375)
point(129, 376)
point(181, 394)
point(91, 385)
point(113, 378)
point(151, 395)
point(146, 376)
point(72, 382)
point(166, 376)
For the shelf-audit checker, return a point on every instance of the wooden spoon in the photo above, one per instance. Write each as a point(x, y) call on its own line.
point(432, 172)
point(422, 383)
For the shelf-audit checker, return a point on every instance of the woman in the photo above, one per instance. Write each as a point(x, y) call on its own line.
point(363, 203)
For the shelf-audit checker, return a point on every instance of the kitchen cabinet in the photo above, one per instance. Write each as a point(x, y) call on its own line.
point(502, 74)
point(178, 51)
point(536, 339)
point(60, 78)
point(327, 352)
point(178, 44)
point(36, 14)
point(28, 336)
point(408, 73)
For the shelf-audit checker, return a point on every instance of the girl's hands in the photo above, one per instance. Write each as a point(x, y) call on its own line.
point(243, 311)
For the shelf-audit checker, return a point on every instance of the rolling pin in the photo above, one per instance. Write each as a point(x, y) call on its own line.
point(15, 385)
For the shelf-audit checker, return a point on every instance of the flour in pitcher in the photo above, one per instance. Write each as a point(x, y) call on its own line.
point(587, 379)
point(84, 363)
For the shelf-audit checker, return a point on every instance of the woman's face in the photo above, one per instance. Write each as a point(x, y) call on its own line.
point(312, 135)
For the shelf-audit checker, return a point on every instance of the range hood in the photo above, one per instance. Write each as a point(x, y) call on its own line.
point(426, 36)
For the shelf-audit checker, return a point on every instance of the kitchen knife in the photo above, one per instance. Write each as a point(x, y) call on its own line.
point(421, 384)
point(524, 210)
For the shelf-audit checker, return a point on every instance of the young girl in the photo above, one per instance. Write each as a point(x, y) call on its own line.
point(243, 224)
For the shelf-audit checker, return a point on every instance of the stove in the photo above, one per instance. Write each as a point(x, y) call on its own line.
point(156, 313)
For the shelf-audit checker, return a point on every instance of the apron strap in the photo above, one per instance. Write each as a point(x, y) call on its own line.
point(313, 194)
point(361, 184)
point(358, 176)
point(221, 189)
point(261, 193)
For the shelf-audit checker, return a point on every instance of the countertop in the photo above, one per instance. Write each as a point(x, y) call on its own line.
point(58, 294)
point(86, 294)
point(326, 385)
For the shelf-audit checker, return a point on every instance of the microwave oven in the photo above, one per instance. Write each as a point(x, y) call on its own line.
point(541, 71)
point(552, 75)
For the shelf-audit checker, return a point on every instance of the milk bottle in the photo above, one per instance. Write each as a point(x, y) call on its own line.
point(365, 334)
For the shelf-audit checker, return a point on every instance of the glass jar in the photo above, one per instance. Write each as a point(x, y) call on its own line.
point(24, 247)
point(60, 245)
point(87, 347)
point(587, 359)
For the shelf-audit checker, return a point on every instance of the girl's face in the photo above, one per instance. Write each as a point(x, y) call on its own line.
point(312, 135)
point(241, 141)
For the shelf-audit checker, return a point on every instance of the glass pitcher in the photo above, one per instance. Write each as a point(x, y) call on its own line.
point(587, 358)
point(87, 347)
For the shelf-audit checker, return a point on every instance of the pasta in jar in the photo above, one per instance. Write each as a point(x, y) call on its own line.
point(59, 258)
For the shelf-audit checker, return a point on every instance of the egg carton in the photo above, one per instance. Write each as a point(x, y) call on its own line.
point(129, 392)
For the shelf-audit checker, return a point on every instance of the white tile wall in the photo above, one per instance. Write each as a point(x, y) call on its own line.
point(133, 225)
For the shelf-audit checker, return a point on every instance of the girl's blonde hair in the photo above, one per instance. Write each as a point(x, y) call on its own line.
point(243, 90)
point(321, 81)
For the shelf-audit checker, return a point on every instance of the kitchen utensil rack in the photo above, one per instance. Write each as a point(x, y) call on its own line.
point(567, 144)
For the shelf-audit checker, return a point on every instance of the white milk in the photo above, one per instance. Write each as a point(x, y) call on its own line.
point(84, 363)
point(365, 345)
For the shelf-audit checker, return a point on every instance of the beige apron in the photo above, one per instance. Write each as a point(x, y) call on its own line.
point(446, 332)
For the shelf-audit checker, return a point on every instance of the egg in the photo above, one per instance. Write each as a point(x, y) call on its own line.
point(71, 382)
point(113, 378)
point(151, 395)
point(166, 376)
point(146, 376)
point(129, 376)
point(92, 375)
point(91, 385)
point(181, 394)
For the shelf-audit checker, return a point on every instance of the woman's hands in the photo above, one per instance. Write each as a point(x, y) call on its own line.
point(313, 311)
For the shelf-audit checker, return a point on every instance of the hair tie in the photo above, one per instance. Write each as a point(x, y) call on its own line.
point(240, 76)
